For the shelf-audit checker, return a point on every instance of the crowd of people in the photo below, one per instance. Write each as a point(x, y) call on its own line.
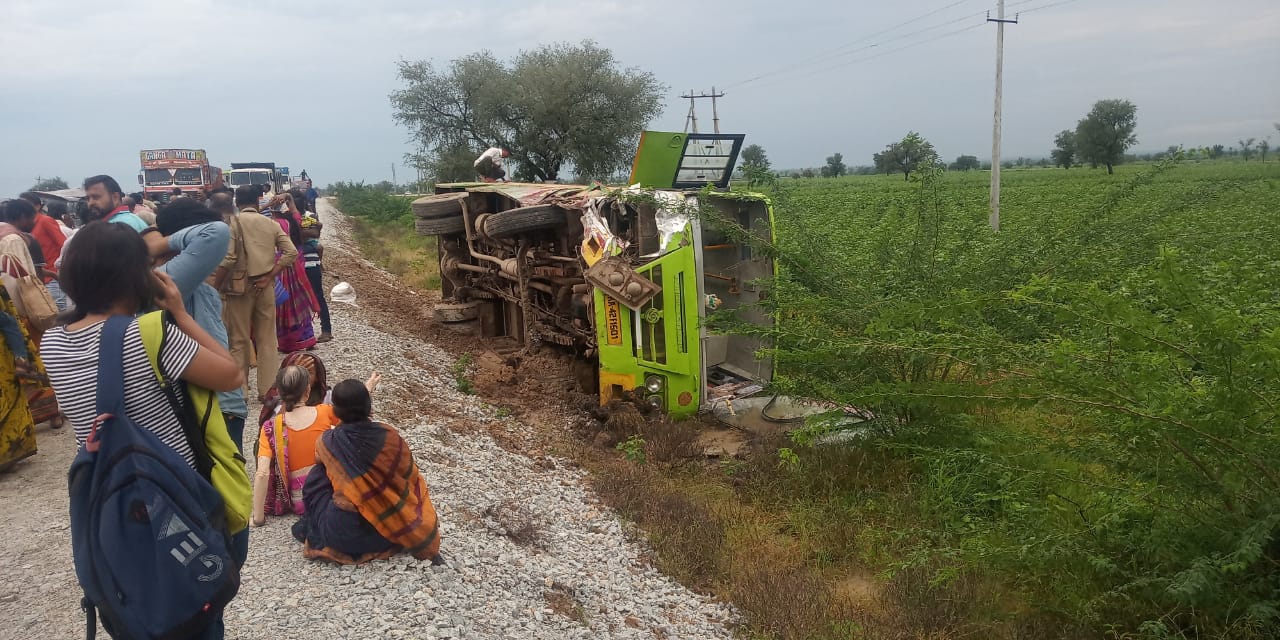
point(238, 278)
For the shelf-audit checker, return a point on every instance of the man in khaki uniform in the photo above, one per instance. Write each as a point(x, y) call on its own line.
point(255, 238)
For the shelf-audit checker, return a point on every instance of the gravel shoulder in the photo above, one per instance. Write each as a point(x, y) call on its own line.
point(530, 551)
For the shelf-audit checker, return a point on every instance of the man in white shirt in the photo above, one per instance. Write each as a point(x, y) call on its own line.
point(490, 164)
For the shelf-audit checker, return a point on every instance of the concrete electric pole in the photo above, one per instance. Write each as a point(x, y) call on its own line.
point(995, 127)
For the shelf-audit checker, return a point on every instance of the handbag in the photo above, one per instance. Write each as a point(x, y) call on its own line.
point(237, 281)
point(34, 299)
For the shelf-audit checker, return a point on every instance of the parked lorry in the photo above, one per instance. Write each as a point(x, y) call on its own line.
point(624, 278)
point(243, 173)
point(187, 169)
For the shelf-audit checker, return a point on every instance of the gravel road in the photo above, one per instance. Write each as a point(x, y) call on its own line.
point(530, 552)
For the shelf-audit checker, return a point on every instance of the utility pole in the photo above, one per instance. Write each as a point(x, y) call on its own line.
point(393, 174)
point(692, 118)
point(995, 127)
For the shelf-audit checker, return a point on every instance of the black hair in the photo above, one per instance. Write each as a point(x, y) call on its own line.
point(16, 210)
point(83, 214)
point(182, 213)
point(351, 402)
point(106, 181)
point(32, 198)
point(222, 202)
point(295, 229)
point(138, 197)
point(247, 195)
point(109, 265)
point(177, 191)
point(56, 209)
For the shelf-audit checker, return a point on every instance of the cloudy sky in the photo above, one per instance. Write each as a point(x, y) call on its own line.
point(87, 84)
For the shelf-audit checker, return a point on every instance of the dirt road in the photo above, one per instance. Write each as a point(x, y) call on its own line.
point(530, 552)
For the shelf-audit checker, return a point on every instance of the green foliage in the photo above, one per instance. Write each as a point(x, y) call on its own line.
point(835, 167)
point(1064, 150)
point(965, 163)
point(553, 106)
point(461, 371)
point(1087, 400)
point(1106, 133)
point(788, 458)
point(633, 449)
point(910, 153)
point(373, 202)
point(49, 184)
point(755, 165)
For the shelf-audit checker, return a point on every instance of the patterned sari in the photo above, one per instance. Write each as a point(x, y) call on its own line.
point(294, 330)
point(285, 494)
point(17, 428)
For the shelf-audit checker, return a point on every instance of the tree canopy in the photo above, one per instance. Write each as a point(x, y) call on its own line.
point(1064, 151)
point(965, 163)
point(835, 167)
point(1106, 133)
point(755, 164)
point(49, 184)
point(906, 155)
point(557, 107)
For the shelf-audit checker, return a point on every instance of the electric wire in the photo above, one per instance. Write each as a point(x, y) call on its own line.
point(836, 50)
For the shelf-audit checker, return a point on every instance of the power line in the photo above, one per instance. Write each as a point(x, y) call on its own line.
point(823, 54)
point(881, 54)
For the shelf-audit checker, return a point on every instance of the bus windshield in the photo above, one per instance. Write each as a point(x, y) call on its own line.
point(241, 178)
point(188, 176)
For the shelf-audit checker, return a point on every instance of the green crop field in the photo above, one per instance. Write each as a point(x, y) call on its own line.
point(1078, 413)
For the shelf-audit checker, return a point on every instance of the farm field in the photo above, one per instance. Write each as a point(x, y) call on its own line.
point(1076, 432)
point(1076, 417)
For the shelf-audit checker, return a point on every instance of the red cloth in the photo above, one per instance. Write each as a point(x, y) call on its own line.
point(49, 235)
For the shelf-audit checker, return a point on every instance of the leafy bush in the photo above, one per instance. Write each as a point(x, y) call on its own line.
point(372, 202)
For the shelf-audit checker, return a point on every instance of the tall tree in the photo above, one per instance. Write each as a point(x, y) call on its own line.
point(48, 184)
point(835, 166)
point(754, 156)
point(755, 164)
point(1064, 150)
point(906, 155)
point(1263, 147)
point(559, 107)
point(1246, 148)
point(1106, 133)
point(1216, 151)
point(965, 163)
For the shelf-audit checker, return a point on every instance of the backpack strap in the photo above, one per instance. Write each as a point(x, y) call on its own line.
point(110, 394)
point(154, 329)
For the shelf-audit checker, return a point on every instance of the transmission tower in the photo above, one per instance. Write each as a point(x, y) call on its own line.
point(692, 119)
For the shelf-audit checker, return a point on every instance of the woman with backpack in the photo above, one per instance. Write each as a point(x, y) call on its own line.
point(108, 275)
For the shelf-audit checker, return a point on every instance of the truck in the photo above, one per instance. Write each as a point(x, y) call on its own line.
point(187, 169)
point(243, 173)
point(624, 278)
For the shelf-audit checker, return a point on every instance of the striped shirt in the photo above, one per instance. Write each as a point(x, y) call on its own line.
point(71, 358)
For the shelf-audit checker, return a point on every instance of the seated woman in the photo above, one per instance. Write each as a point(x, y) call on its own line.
point(365, 498)
point(319, 384)
point(287, 441)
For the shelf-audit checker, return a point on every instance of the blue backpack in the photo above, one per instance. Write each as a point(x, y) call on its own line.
point(148, 533)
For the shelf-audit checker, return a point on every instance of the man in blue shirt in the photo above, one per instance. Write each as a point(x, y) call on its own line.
point(195, 239)
point(106, 202)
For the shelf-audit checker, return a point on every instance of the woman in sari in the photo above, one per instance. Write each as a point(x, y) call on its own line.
point(295, 302)
point(40, 399)
point(286, 443)
point(365, 498)
point(319, 393)
point(17, 428)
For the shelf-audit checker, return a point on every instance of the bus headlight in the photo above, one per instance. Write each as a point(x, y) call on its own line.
point(654, 383)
